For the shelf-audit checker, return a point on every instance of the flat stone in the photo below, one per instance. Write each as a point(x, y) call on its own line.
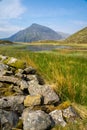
point(29, 70)
point(35, 120)
point(12, 102)
point(32, 100)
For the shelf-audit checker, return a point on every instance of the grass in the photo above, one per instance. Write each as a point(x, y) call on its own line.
point(65, 70)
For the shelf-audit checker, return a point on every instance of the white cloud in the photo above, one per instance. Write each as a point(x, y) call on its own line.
point(10, 9)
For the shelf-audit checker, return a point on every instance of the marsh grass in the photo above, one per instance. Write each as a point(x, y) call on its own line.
point(65, 70)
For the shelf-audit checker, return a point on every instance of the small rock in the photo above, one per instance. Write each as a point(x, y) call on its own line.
point(29, 70)
point(57, 118)
point(23, 85)
point(32, 100)
point(36, 120)
point(70, 114)
point(50, 97)
point(3, 68)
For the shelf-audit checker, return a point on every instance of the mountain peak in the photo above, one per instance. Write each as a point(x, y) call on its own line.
point(35, 32)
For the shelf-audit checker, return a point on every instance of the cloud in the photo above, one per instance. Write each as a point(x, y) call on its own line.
point(10, 9)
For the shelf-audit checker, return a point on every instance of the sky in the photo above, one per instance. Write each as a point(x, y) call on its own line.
point(67, 16)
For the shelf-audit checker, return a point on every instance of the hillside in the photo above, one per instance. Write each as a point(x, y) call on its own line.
point(5, 42)
point(35, 32)
point(78, 37)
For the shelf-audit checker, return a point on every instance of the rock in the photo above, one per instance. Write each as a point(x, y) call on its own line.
point(29, 70)
point(70, 114)
point(3, 68)
point(23, 85)
point(11, 60)
point(57, 118)
point(3, 58)
point(32, 100)
point(12, 102)
point(9, 79)
point(35, 120)
point(50, 97)
point(1, 85)
point(8, 119)
point(7, 73)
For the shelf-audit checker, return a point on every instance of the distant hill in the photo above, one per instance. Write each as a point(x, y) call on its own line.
point(5, 42)
point(78, 37)
point(64, 35)
point(35, 32)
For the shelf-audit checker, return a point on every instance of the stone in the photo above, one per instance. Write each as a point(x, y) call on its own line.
point(29, 70)
point(32, 100)
point(70, 114)
point(57, 118)
point(11, 102)
point(9, 79)
point(3, 58)
point(12, 60)
point(23, 85)
point(8, 119)
point(1, 85)
point(3, 68)
point(50, 97)
point(35, 120)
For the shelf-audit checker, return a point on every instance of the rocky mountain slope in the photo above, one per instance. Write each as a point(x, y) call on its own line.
point(35, 32)
point(26, 102)
point(79, 37)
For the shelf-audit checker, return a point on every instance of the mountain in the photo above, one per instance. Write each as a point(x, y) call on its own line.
point(35, 32)
point(64, 35)
point(78, 37)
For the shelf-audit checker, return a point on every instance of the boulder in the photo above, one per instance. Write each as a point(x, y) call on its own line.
point(8, 119)
point(57, 118)
point(11, 102)
point(50, 97)
point(32, 100)
point(35, 120)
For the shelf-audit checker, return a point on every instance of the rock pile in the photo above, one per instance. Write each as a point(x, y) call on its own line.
point(26, 102)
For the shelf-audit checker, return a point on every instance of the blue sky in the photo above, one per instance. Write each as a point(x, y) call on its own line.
point(61, 15)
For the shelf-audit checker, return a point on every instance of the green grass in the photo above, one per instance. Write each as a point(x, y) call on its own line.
point(65, 70)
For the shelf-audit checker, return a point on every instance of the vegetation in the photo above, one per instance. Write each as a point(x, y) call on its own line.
point(65, 70)
point(79, 37)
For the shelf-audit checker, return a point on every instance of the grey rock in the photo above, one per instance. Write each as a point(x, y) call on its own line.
point(36, 120)
point(50, 97)
point(3, 58)
point(9, 79)
point(29, 70)
point(8, 119)
point(23, 85)
point(11, 102)
point(70, 114)
point(57, 118)
point(3, 67)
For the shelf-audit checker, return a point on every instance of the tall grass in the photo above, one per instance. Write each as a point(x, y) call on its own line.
point(65, 70)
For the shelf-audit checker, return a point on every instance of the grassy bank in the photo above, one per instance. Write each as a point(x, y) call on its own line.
point(65, 70)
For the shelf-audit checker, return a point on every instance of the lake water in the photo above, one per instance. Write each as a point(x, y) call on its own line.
point(38, 47)
point(45, 47)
